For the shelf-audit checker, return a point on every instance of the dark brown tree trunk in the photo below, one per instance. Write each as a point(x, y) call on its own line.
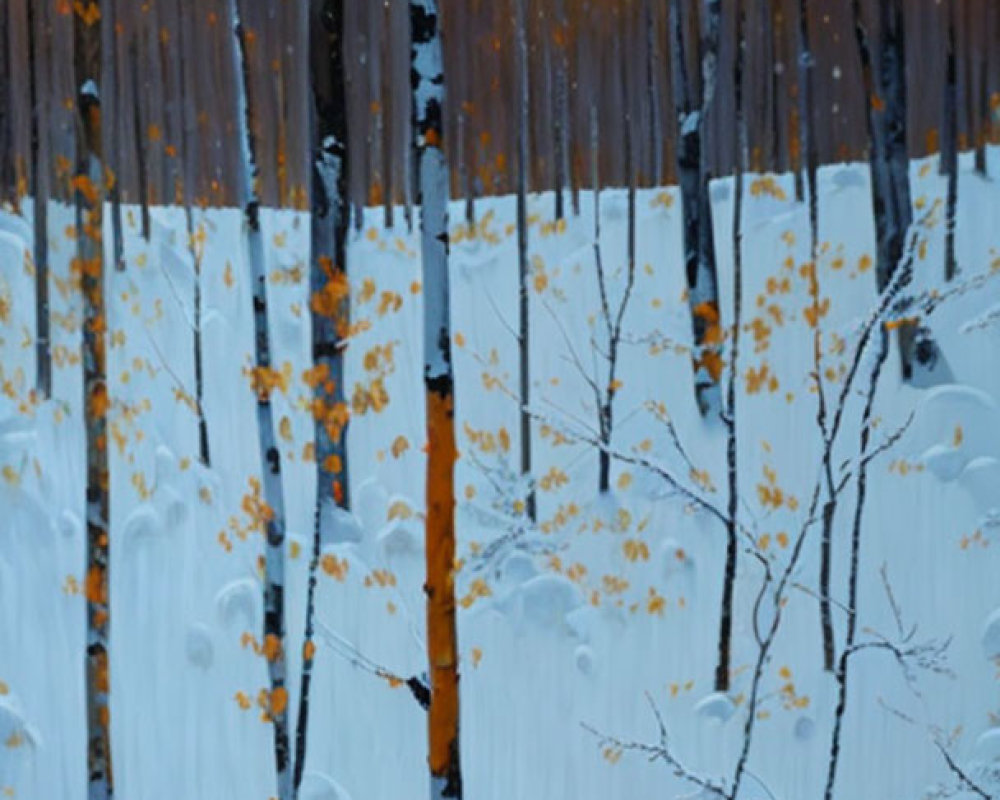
point(39, 190)
point(949, 142)
point(524, 327)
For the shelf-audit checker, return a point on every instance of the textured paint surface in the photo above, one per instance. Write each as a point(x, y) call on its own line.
point(569, 625)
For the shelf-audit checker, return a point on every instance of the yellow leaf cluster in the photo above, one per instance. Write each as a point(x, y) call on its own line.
point(334, 567)
point(635, 550)
point(477, 589)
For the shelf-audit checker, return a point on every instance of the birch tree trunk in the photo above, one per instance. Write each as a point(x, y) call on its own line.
point(722, 669)
point(427, 79)
point(690, 109)
point(88, 184)
point(330, 305)
point(265, 381)
point(524, 327)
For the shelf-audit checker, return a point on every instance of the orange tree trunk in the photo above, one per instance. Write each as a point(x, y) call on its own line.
point(442, 639)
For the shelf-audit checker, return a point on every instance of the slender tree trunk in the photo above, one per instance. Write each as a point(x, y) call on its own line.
point(773, 78)
point(111, 103)
point(854, 574)
point(653, 98)
point(983, 101)
point(330, 309)
point(524, 272)
point(264, 382)
point(723, 664)
point(427, 79)
point(690, 109)
point(949, 143)
point(195, 243)
point(39, 189)
point(142, 170)
point(89, 186)
point(560, 149)
point(8, 187)
point(807, 141)
point(885, 117)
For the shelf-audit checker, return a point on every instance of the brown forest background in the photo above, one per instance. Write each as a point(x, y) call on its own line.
point(169, 103)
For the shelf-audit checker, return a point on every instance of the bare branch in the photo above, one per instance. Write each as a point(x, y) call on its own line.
point(660, 751)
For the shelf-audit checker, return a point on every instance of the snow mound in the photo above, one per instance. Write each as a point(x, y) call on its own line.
point(962, 415)
point(981, 478)
point(991, 635)
point(17, 434)
point(70, 525)
point(399, 539)
point(674, 559)
point(240, 601)
point(716, 706)
point(944, 462)
point(583, 657)
point(175, 509)
point(371, 501)
point(805, 729)
point(339, 526)
point(166, 465)
point(517, 569)
point(140, 526)
point(198, 646)
point(317, 786)
point(987, 747)
point(14, 728)
point(544, 601)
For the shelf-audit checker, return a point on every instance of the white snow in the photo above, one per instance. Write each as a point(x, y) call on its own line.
point(577, 620)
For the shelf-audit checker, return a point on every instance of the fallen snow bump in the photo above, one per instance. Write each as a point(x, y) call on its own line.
point(991, 635)
point(399, 540)
point(143, 523)
point(70, 525)
point(199, 647)
point(583, 656)
point(716, 706)
point(317, 786)
point(674, 558)
point(371, 502)
point(981, 478)
point(175, 509)
point(805, 728)
point(338, 525)
point(517, 568)
point(239, 601)
point(944, 461)
point(544, 601)
point(987, 747)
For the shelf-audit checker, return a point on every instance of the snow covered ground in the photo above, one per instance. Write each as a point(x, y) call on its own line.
point(613, 598)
